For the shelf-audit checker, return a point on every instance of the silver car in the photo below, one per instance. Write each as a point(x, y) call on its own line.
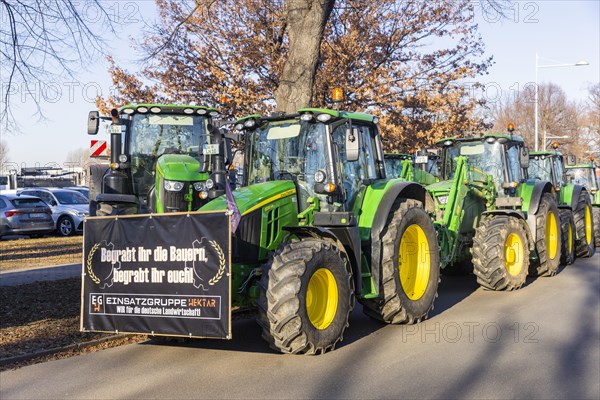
point(24, 215)
point(69, 208)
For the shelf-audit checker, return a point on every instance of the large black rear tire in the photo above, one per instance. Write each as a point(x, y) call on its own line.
point(548, 238)
point(584, 226)
point(567, 229)
point(410, 267)
point(306, 296)
point(501, 253)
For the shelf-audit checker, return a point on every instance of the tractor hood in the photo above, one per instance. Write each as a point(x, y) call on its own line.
point(253, 197)
point(439, 188)
point(180, 167)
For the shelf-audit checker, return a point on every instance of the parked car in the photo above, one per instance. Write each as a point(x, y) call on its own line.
point(84, 190)
point(69, 208)
point(24, 215)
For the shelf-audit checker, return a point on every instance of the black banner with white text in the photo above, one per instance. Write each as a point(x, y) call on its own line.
point(165, 274)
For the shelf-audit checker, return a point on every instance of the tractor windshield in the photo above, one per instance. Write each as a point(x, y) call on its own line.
point(152, 135)
point(540, 168)
point(393, 167)
point(582, 176)
point(482, 157)
point(286, 150)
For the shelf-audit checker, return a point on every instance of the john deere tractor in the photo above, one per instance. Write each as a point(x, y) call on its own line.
point(421, 168)
point(490, 219)
point(588, 175)
point(321, 226)
point(164, 158)
point(573, 202)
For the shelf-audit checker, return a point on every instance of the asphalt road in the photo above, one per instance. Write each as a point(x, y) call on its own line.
point(542, 341)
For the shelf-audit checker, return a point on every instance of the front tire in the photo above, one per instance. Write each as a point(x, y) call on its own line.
point(306, 296)
point(501, 253)
point(548, 238)
point(584, 226)
point(567, 229)
point(410, 267)
point(65, 226)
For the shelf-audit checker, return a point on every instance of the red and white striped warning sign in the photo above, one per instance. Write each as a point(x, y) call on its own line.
point(98, 148)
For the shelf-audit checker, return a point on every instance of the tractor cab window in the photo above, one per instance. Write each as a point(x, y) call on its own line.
point(482, 158)
point(287, 150)
point(153, 135)
point(540, 168)
point(393, 167)
point(513, 163)
point(557, 167)
point(582, 176)
point(352, 174)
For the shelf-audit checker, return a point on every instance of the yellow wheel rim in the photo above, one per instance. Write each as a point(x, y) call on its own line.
point(513, 254)
point(321, 298)
point(588, 225)
point(414, 262)
point(570, 240)
point(551, 235)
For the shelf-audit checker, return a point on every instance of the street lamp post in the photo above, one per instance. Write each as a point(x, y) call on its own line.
point(536, 97)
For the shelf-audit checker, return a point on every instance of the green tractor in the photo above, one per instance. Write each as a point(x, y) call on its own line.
point(422, 168)
point(573, 202)
point(588, 175)
point(490, 219)
point(321, 226)
point(164, 158)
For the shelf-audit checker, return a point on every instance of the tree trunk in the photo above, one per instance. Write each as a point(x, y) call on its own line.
point(306, 23)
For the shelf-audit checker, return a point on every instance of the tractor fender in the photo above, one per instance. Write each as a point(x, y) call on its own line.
point(539, 189)
point(517, 214)
point(345, 238)
point(536, 196)
point(408, 190)
point(577, 189)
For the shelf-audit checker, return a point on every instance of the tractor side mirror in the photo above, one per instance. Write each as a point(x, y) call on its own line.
point(351, 144)
point(93, 122)
point(571, 160)
point(524, 157)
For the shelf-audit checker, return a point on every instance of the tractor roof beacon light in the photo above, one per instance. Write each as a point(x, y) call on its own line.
point(338, 96)
point(511, 127)
point(555, 145)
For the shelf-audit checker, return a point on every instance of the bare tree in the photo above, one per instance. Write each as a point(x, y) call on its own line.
point(3, 153)
point(44, 41)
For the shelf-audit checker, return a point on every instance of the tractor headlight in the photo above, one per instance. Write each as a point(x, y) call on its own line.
point(442, 199)
point(173, 186)
point(203, 195)
point(320, 176)
point(199, 186)
point(323, 117)
point(209, 184)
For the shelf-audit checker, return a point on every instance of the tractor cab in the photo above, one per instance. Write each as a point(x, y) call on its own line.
point(587, 175)
point(547, 166)
point(422, 167)
point(330, 156)
point(499, 159)
point(164, 158)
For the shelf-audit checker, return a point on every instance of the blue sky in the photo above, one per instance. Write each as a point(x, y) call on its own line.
point(559, 31)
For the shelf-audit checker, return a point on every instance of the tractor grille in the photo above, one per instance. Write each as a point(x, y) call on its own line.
point(246, 241)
